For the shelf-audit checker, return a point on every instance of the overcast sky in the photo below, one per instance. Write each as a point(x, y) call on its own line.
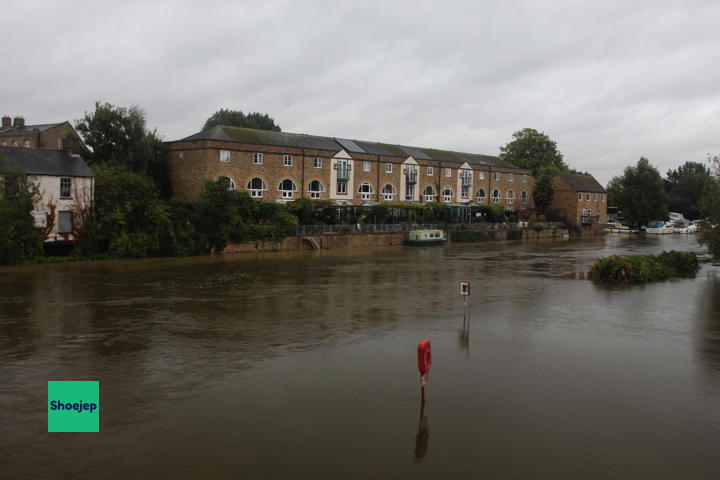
point(609, 81)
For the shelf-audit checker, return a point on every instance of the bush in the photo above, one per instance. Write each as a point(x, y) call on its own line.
point(644, 268)
point(461, 236)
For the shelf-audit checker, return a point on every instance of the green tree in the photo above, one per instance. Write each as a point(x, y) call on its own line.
point(534, 150)
point(686, 187)
point(19, 241)
point(236, 118)
point(131, 221)
point(640, 193)
point(709, 233)
point(544, 188)
point(118, 137)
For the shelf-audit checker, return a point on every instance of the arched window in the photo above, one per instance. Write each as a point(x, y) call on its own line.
point(429, 193)
point(227, 181)
point(510, 196)
point(388, 192)
point(447, 195)
point(366, 191)
point(523, 197)
point(495, 196)
point(480, 196)
point(315, 188)
point(287, 188)
point(256, 187)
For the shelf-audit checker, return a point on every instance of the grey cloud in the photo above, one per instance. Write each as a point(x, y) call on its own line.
point(609, 81)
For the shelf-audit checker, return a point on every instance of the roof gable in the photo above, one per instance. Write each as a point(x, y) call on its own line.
point(582, 183)
point(45, 162)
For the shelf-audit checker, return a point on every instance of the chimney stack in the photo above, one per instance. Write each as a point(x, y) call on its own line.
point(19, 122)
point(6, 121)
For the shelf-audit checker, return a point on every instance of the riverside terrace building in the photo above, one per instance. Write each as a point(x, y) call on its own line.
point(279, 166)
point(580, 201)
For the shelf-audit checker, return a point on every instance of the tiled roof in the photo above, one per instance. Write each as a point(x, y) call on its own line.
point(296, 140)
point(582, 183)
point(30, 128)
point(45, 162)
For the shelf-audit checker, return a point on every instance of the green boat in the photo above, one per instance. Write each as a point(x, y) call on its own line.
point(419, 238)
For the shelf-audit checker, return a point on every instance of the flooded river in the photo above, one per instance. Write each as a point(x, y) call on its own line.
point(304, 365)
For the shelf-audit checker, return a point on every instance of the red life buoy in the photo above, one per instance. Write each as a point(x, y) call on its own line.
point(424, 357)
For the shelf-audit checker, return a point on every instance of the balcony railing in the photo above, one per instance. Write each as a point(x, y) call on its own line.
point(410, 176)
point(589, 219)
point(343, 171)
point(466, 179)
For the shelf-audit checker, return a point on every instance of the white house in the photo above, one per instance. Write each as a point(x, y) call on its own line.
point(66, 186)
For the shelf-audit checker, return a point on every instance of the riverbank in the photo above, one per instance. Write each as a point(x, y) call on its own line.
point(332, 241)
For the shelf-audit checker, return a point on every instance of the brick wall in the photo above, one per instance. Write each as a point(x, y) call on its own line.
point(567, 202)
point(193, 162)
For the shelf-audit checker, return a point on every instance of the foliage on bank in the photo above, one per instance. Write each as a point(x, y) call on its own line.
point(644, 268)
point(466, 236)
point(19, 241)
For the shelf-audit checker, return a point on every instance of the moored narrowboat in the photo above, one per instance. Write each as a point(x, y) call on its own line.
point(418, 238)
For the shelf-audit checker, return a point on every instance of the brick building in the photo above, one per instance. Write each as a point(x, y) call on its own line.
point(49, 136)
point(279, 166)
point(580, 201)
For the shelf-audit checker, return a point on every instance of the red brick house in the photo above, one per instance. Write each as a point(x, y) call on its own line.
point(580, 201)
point(47, 136)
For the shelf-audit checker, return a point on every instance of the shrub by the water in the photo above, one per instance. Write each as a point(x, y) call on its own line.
point(514, 234)
point(644, 268)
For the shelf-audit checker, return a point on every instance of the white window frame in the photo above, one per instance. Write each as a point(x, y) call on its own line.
point(409, 192)
point(27, 143)
point(257, 158)
point(465, 193)
point(388, 168)
point(429, 171)
point(315, 193)
point(366, 165)
point(497, 176)
point(481, 175)
point(447, 194)
point(66, 187)
point(595, 197)
point(287, 160)
point(287, 194)
point(365, 191)
point(342, 187)
point(256, 192)
point(495, 199)
point(480, 199)
point(511, 177)
point(524, 178)
point(579, 196)
point(524, 199)
point(429, 196)
point(388, 196)
point(448, 172)
point(510, 198)
point(224, 156)
point(317, 163)
point(587, 197)
point(603, 197)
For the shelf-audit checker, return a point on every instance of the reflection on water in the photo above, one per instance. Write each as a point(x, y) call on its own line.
point(422, 437)
point(299, 364)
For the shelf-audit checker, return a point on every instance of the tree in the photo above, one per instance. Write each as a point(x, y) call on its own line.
point(131, 220)
point(236, 118)
point(118, 137)
point(709, 232)
point(534, 150)
point(640, 193)
point(544, 189)
point(686, 187)
point(19, 240)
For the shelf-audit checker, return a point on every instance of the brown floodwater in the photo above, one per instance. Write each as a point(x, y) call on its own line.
point(304, 365)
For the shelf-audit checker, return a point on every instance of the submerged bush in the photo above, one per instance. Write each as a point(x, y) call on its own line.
point(644, 268)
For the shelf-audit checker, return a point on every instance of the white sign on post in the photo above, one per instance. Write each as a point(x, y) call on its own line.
point(465, 289)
